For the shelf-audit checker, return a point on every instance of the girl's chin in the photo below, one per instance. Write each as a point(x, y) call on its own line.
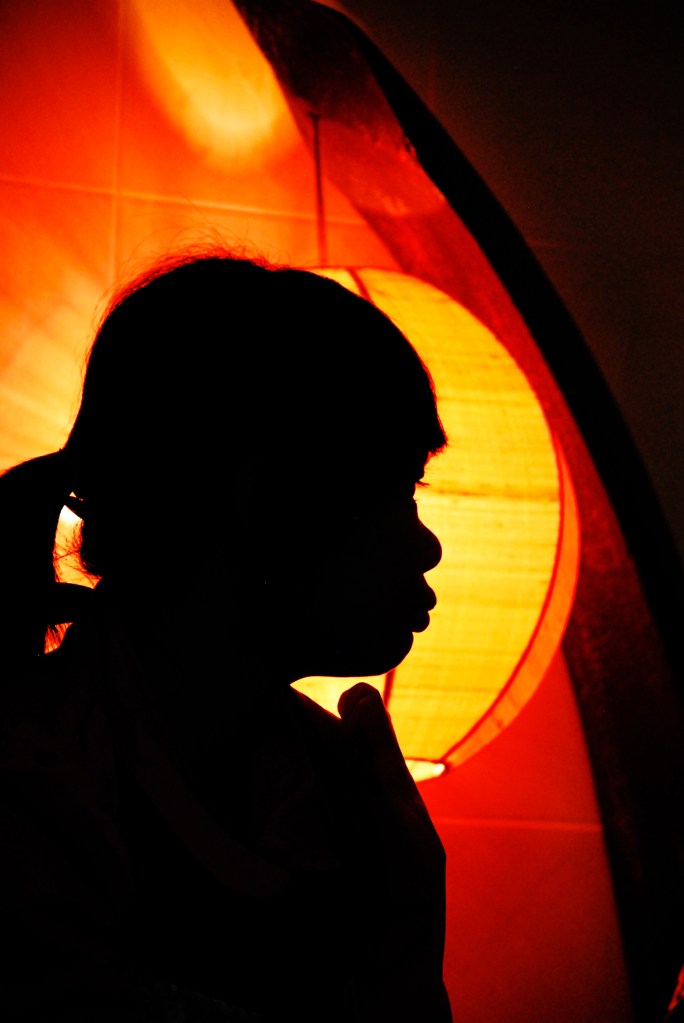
point(375, 657)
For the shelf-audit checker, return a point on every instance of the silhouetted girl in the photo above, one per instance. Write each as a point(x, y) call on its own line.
point(185, 837)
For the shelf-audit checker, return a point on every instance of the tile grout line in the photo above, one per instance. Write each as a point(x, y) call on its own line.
point(167, 200)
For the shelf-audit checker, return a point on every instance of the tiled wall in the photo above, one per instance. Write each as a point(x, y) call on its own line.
point(96, 179)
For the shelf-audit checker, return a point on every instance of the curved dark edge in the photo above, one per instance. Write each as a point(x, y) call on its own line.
point(589, 398)
point(616, 459)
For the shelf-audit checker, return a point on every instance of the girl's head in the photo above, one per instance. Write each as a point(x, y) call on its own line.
point(241, 422)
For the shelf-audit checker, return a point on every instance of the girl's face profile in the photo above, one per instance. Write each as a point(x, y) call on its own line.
point(377, 597)
point(352, 605)
point(299, 447)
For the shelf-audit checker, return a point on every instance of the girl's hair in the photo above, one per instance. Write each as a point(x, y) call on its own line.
point(207, 375)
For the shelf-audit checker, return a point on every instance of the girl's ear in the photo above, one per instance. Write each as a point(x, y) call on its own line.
point(32, 496)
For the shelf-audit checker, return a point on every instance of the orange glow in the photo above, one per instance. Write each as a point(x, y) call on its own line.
point(497, 495)
point(103, 166)
point(50, 295)
point(38, 383)
point(501, 502)
point(210, 79)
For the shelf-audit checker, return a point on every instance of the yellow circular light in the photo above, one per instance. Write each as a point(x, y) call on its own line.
point(501, 501)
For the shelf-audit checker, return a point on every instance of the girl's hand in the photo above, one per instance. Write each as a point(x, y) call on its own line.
point(405, 973)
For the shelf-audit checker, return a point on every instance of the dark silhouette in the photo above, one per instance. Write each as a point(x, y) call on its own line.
point(185, 837)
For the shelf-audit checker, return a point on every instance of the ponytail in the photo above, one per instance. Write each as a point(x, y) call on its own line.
point(32, 496)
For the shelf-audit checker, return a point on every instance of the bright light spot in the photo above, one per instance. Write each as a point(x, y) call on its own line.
point(213, 82)
point(501, 502)
point(423, 770)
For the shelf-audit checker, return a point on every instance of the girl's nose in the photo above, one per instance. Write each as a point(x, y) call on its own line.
point(431, 548)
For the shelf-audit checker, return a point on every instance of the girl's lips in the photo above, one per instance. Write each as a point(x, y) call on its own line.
point(421, 623)
point(414, 607)
point(422, 619)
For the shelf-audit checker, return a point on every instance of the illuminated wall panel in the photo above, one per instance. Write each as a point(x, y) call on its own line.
point(500, 498)
point(55, 249)
point(59, 66)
